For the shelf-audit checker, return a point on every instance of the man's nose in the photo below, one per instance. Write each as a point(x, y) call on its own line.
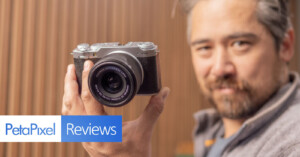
point(223, 65)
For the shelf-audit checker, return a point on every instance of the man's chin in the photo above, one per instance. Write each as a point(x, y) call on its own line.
point(233, 107)
point(234, 115)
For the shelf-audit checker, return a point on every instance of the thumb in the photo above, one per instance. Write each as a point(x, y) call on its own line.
point(154, 109)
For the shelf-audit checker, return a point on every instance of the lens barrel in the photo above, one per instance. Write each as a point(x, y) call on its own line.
point(115, 79)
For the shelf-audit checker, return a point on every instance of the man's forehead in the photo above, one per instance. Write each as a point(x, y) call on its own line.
point(188, 5)
point(223, 7)
point(222, 12)
point(223, 18)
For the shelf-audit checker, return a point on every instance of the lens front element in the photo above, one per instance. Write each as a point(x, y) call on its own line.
point(112, 82)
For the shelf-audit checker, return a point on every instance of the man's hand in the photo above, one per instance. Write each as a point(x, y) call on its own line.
point(136, 134)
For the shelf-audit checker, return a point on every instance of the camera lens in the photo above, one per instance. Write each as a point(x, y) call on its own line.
point(112, 82)
point(115, 79)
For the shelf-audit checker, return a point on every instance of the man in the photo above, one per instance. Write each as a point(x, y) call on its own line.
point(240, 52)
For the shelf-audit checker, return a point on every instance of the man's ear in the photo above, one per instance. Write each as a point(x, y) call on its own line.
point(287, 46)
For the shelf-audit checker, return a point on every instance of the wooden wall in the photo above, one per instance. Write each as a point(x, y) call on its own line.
point(37, 36)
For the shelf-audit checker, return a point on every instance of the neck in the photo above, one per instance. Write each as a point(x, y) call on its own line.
point(231, 126)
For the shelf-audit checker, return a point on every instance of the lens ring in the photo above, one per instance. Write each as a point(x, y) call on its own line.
point(129, 88)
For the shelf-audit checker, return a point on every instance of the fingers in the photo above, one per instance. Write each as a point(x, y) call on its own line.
point(154, 109)
point(71, 86)
point(72, 104)
point(92, 106)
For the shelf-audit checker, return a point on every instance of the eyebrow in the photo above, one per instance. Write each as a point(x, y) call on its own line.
point(231, 36)
point(199, 41)
point(242, 35)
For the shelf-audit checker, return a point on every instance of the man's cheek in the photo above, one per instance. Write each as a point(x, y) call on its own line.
point(204, 87)
point(201, 66)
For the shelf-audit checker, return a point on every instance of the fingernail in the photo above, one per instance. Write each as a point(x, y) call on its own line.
point(69, 68)
point(86, 65)
point(165, 94)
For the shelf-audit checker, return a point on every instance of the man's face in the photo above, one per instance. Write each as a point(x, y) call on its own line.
point(234, 56)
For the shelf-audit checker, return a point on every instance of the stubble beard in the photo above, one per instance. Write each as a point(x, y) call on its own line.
point(244, 102)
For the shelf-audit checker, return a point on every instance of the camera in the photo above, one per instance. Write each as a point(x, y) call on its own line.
point(120, 71)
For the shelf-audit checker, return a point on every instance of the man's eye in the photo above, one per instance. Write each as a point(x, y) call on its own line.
point(203, 48)
point(241, 45)
point(204, 51)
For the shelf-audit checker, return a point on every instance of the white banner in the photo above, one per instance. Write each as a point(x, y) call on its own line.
point(30, 128)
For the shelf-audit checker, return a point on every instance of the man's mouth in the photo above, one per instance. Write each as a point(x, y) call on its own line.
point(225, 90)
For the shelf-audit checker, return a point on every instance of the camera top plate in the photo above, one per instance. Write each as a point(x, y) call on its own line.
point(138, 49)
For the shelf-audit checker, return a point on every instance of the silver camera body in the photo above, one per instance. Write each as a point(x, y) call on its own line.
point(119, 71)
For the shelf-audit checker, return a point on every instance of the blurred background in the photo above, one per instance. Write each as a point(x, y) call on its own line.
point(37, 37)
